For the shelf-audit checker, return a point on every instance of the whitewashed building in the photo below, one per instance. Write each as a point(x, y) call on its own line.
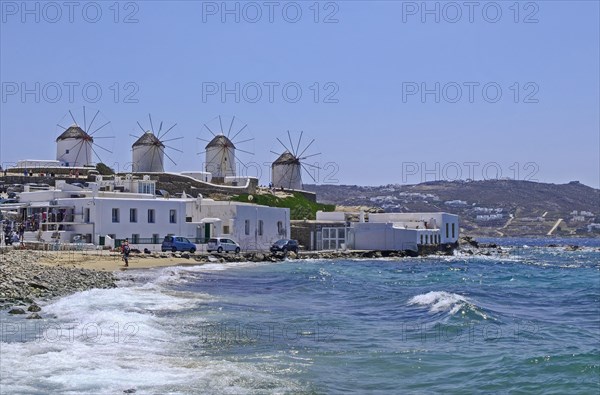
point(128, 208)
point(391, 231)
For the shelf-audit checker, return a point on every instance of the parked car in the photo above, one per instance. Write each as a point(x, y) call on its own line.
point(285, 245)
point(177, 243)
point(221, 244)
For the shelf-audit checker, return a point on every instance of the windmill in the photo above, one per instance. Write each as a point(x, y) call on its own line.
point(221, 150)
point(148, 151)
point(76, 146)
point(286, 170)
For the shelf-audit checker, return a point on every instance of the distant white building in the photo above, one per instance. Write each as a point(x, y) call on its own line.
point(128, 208)
point(394, 231)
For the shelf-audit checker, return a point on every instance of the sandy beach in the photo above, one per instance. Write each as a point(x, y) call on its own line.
point(107, 261)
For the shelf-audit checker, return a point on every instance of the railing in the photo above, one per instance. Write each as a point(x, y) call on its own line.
point(152, 240)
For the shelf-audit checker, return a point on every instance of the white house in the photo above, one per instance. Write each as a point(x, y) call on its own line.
point(128, 208)
point(393, 231)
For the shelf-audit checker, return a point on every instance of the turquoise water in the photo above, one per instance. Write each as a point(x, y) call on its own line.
point(524, 322)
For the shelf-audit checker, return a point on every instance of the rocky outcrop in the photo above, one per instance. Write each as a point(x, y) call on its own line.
point(23, 281)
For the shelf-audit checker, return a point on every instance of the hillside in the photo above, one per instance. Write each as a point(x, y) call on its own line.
point(486, 208)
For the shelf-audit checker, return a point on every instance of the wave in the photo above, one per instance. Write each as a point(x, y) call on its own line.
point(449, 304)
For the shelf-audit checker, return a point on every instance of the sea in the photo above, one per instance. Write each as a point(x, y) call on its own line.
point(523, 322)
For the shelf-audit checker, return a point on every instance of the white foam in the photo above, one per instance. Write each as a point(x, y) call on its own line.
point(439, 301)
point(107, 341)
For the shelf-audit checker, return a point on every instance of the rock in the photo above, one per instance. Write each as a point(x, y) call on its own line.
point(185, 255)
point(34, 308)
point(292, 255)
point(34, 316)
point(38, 285)
point(16, 310)
point(130, 391)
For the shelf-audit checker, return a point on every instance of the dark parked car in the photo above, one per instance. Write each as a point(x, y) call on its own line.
point(285, 245)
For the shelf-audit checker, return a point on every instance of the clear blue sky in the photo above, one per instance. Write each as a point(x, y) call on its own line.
point(376, 56)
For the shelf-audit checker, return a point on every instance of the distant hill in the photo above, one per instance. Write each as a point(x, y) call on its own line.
point(486, 208)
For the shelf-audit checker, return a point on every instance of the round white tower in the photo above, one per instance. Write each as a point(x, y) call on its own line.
point(148, 154)
point(220, 157)
point(286, 172)
point(74, 147)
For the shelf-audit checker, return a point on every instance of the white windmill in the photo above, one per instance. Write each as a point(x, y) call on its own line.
point(148, 151)
point(286, 170)
point(75, 147)
point(221, 150)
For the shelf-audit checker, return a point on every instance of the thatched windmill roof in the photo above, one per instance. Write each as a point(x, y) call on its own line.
point(74, 132)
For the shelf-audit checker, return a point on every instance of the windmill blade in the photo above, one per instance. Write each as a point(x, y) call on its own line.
point(313, 140)
point(291, 144)
point(308, 172)
point(103, 137)
point(176, 138)
point(61, 126)
point(221, 123)
point(230, 126)
point(299, 141)
point(93, 119)
point(160, 127)
point(102, 148)
point(168, 130)
point(151, 125)
point(173, 148)
point(73, 118)
point(134, 136)
point(239, 131)
point(198, 138)
point(100, 128)
point(95, 153)
point(276, 153)
point(143, 131)
point(246, 152)
point(283, 145)
point(309, 156)
point(243, 164)
point(308, 164)
point(245, 141)
point(171, 159)
point(211, 132)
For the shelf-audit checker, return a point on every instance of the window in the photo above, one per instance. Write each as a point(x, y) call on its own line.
point(447, 232)
point(135, 238)
point(133, 215)
point(155, 238)
point(173, 216)
point(260, 227)
point(280, 229)
point(226, 229)
point(453, 230)
point(150, 216)
point(426, 239)
point(333, 238)
point(247, 227)
point(66, 151)
point(115, 215)
point(86, 215)
point(188, 219)
point(421, 239)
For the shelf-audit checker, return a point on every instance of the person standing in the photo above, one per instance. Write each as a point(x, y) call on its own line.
point(126, 249)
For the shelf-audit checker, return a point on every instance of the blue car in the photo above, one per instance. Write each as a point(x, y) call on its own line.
point(177, 243)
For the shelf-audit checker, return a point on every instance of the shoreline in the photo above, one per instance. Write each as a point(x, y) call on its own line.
point(31, 276)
